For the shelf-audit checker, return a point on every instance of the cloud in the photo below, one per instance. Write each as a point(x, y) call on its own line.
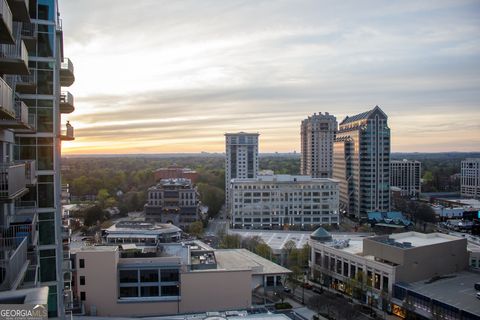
point(160, 74)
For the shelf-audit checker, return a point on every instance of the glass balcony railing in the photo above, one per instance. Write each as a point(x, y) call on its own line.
point(13, 262)
point(12, 180)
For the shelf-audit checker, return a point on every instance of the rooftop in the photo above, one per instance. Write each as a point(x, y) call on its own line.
point(242, 259)
point(418, 239)
point(285, 178)
point(142, 227)
point(361, 116)
point(456, 290)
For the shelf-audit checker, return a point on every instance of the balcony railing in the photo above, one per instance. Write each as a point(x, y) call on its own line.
point(67, 75)
point(27, 83)
point(23, 226)
point(6, 24)
point(13, 262)
point(69, 134)
point(6, 101)
point(12, 181)
point(14, 58)
point(29, 30)
point(67, 104)
point(23, 208)
point(30, 172)
point(21, 112)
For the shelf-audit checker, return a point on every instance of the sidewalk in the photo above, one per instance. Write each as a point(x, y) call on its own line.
point(302, 310)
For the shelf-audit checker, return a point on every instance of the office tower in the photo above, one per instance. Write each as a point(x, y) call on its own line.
point(470, 178)
point(284, 201)
point(241, 158)
point(33, 70)
point(406, 174)
point(362, 163)
point(317, 135)
point(174, 201)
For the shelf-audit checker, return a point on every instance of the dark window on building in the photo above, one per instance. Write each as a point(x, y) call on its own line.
point(82, 280)
point(83, 296)
point(82, 263)
point(169, 291)
point(149, 275)
point(128, 292)
point(150, 291)
point(128, 276)
point(169, 275)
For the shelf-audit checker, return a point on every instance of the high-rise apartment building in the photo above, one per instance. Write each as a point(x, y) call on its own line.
point(241, 158)
point(317, 135)
point(470, 178)
point(406, 175)
point(362, 163)
point(32, 70)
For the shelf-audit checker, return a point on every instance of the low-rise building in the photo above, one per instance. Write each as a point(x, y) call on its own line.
point(175, 172)
point(173, 201)
point(369, 268)
point(141, 232)
point(174, 278)
point(284, 201)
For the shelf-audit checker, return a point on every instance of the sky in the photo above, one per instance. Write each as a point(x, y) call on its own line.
point(156, 76)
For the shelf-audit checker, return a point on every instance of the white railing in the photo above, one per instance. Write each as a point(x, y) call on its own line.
point(6, 15)
point(66, 97)
point(21, 111)
point(70, 132)
point(14, 51)
point(66, 65)
point(14, 258)
point(12, 179)
point(6, 98)
point(28, 79)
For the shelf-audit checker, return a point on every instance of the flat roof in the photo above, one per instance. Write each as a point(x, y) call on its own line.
point(286, 178)
point(456, 290)
point(276, 239)
point(142, 227)
point(242, 259)
point(418, 239)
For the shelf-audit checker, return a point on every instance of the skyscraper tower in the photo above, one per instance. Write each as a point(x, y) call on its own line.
point(362, 163)
point(32, 70)
point(317, 135)
point(241, 158)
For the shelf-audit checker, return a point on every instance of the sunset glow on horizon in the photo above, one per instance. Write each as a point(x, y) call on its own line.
point(173, 77)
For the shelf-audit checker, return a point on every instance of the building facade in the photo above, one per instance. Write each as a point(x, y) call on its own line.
point(174, 278)
point(406, 175)
point(470, 178)
point(369, 268)
point(362, 163)
point(173, 201)
point(317, 135)
point(284, 201)
point(33, 71)
point(241, 158)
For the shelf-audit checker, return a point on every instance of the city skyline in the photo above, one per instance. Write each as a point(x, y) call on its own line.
point(192, 72)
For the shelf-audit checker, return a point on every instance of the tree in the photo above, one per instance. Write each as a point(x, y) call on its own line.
point(102, 197)
point(231, 241)
point(93, 215)
point(263, 250)
point(196, 229)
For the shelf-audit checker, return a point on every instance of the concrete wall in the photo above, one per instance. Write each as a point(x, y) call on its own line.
point(216, 290)
point(422, 263)
point(200, 290)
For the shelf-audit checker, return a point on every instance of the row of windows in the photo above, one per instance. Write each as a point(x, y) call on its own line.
point(148, 275)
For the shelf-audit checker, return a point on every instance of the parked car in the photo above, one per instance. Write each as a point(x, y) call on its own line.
point(287, 289)
point(478, 295)
point(317, 290)
point(307, 285)
point(477, 286)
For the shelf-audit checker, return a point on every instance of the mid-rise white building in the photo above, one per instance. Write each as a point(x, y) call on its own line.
point(470, 178)
point(282, 201)
point(406, 174)
point(317, 135)
point(241, 158)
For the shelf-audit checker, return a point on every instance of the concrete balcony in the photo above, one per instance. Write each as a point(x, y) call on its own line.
point(67, 76)
point(66, 102)
point(69, 134)
point(14, 58)
point(26, 83)
point(29, 35)
point(21, 122)
point(6, 101)
point(6, 23)
point(30, 172)
point(13, 262)
point(12, 181)
point(22, 226)
point(20, 10)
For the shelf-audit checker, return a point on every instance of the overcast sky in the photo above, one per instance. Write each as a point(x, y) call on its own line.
point(174, 76)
